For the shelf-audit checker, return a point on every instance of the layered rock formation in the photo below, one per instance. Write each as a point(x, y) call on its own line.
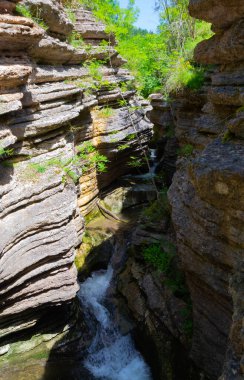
point(207, 194)
point(165, 141)
point(51, 102)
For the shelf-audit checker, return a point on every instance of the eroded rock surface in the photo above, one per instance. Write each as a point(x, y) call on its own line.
point(207, 193)
point(50, 104)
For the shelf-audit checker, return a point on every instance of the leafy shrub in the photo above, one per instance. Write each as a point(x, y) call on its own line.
point(182, 75)
point(160, 257)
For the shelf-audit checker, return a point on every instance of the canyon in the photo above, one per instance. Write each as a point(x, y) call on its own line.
point(72, 132)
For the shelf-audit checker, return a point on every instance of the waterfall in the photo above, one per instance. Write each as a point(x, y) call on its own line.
point(111, 356)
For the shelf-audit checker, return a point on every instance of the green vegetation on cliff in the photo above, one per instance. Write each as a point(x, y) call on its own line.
point(161, 61)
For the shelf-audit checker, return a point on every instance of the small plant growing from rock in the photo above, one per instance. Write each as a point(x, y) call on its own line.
point(135, 162)
point(70, 14)
point(160, 256)
point(75, 40)
point(123, 147)
point(131, 136)
point(122, 102)
point(158, 209)
point(227, 136)
point(106, 112)
point(186, 150)
point(87, 157)
point(92, 157)
point(94, 69)
point(25, 11)
point(5, 152)
point(240, 109)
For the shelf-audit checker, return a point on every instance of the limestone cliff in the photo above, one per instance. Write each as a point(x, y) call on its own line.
point(51, 102)
point(207, 192)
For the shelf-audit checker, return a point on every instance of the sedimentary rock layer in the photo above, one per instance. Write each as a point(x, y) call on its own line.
point(207, 193)
point(51, 102)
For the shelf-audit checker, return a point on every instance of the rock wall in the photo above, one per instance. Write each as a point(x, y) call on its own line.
point(207, 193)
point(51, 102)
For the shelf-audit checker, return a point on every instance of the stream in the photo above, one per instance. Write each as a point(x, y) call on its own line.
point(111, 355)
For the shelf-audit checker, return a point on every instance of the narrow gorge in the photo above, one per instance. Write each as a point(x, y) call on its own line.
point(121, 219)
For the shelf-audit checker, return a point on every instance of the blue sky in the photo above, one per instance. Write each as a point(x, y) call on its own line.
point(148, 19)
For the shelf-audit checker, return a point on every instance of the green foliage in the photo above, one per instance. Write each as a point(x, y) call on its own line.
point(135, 162)
point(169, 131)
point(40, 168)
point(160, 256)
point(25, 11)
point(75, 40)
point(100, 161)
point(123, 147)
point(70, 14)
point(186, 150)
point(183, 75)
point(158, 209)
point(144, 57)
point(93, 67)
point(106, 112)
point(188, 323)
point(92, 157)
point(240, 109)
point(87, 157)
point(227, 136)
point(122, 102)
point(6, 152)
point(119, 21)
point(131, 136)
point(161, 61)
point(85, 148)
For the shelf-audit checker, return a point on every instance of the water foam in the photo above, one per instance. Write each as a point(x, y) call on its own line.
point(111, 355)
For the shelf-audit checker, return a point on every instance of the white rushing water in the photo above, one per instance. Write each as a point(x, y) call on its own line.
point(111, 355)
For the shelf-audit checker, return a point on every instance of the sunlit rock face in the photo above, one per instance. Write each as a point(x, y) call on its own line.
point(50, 103)
point(207, 193)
